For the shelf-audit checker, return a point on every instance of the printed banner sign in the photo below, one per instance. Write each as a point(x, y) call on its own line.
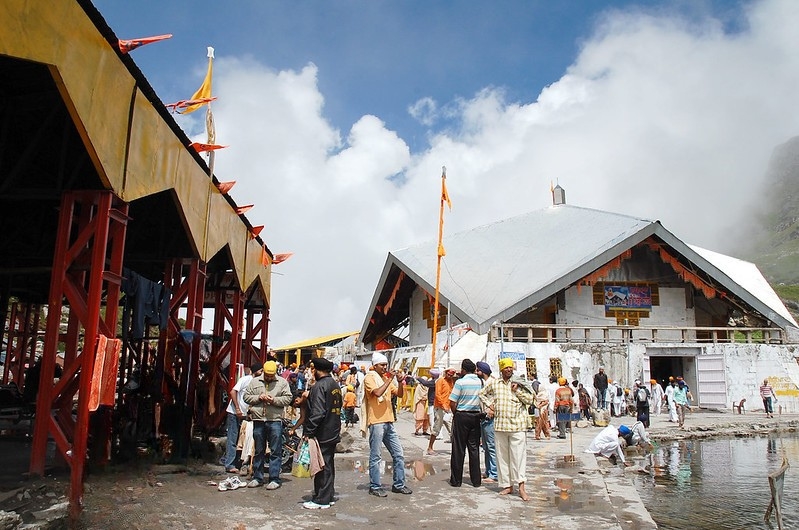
point(628, 298)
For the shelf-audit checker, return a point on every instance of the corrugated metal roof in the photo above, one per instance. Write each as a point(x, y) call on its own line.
point(495, 271)
point(492, 270)
point(748, 276)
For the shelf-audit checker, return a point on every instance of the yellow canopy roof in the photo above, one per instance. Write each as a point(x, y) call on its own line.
point(315, 342)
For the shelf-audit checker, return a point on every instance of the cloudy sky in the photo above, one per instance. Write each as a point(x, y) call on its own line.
point(340, 116)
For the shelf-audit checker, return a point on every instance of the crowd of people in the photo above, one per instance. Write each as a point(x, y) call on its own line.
point(468, 407)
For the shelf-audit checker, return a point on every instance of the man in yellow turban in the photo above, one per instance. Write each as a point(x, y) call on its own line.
point(507, 401)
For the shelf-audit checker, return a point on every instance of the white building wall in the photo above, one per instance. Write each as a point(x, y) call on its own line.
point(418, 332)
point(747, 365)
point(581, 311)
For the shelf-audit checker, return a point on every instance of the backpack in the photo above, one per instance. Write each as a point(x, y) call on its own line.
point(619, 391)
point(643, 395)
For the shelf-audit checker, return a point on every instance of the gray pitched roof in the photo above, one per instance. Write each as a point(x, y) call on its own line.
point(495, 271)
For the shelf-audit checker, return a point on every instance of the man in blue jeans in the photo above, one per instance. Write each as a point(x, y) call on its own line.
point(379, 387)
point(236, 410)
point(487, 430)
point(267, 396)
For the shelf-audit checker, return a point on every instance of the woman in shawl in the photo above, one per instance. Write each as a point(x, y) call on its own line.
point(420, 411)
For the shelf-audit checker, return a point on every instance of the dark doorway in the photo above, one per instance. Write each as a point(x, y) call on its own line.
point(661, 368)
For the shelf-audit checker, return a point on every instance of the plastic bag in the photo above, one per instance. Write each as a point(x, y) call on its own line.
point(301, 468)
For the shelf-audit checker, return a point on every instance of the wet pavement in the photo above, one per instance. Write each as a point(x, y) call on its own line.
point(589, 493)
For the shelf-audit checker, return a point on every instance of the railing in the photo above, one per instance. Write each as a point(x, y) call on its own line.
point(628, 334)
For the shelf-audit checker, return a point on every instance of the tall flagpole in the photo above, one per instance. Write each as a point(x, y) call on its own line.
point(440, 254)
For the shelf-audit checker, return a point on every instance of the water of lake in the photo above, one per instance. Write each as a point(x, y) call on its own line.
point(719, 483)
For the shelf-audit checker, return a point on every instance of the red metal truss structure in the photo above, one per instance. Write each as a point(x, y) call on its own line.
point(88, 189)
point(87, 269)
point(178, 361)
point(228, 313)
point(23, 325)
point(253, 345)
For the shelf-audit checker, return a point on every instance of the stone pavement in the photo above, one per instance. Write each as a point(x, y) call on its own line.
point(590, 493)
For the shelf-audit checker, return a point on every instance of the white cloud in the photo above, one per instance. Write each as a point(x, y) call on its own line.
point(657, 117)
point(424, 111)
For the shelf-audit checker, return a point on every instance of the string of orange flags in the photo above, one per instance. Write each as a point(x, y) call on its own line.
point(128, 45)
point(225, 187)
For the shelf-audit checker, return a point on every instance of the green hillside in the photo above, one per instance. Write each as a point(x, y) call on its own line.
point(774, 246)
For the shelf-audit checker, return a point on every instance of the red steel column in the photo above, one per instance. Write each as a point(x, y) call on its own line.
point(87, 263)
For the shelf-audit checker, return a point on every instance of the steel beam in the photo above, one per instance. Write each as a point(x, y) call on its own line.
point(87, 266)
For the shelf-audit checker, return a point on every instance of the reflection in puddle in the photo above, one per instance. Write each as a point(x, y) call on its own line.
point(718, 480)
point(571, 497)
point(418, 468)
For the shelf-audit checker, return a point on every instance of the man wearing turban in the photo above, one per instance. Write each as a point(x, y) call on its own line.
point(506, 400)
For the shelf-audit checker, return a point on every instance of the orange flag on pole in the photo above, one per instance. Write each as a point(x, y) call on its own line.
point(204, 92)
point(200, 147)
point(128, 45)
point(445, 195)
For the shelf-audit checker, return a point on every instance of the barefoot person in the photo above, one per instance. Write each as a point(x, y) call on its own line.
point(506, 400)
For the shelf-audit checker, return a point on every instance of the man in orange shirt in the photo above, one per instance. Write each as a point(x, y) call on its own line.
point(441, 408)
point(380, 385)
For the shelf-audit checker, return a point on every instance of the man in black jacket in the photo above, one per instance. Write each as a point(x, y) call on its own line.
point(601, 388)
point(324, 424)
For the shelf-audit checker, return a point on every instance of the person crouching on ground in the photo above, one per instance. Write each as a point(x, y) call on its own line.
point(379, 386)
point(635, 435)
point(324, 426)
point(507, 401)
point(606, 444)
point(267, 396)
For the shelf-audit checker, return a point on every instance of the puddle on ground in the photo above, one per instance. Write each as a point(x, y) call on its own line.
point(571, 497)
point(418, 469)
point(720, 482)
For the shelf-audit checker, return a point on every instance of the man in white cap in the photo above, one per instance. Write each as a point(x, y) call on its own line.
point(379, 386)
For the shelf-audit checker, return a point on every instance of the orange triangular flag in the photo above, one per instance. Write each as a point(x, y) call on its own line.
point(186, 103)
point(280, 258)
point(205, 89)
point(225, 187)
point(241, 209)
point(200, 147)
point(255, 230)
point(264, 257)
point(128, 45)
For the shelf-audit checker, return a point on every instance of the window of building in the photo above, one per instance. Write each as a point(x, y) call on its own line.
point(555, 367)
point(532, 371)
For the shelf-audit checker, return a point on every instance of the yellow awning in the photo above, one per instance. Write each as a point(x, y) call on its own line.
point(315, 342)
